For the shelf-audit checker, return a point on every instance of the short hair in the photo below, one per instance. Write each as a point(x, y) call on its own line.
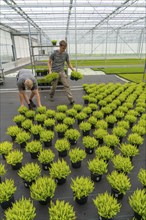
point(28, 83)
point(63, 43)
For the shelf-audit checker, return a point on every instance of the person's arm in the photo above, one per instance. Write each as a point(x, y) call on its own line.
point(23, 96)
point(36, 93)
point(70, 65)
point(50, 65)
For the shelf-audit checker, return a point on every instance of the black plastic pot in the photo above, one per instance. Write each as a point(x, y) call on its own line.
point(102, 218)
point(76, 164)
point(86, 133)
point(72, 142)
point(89, 150)
point(82, 200)
point(13, 138)
point(17, 166)
point(46, 201)
point(22, 145)
point(116, 193)
point(137, 216)
point(46, 166)
point(34, 155)
point(96, 177)
point(62, 153)
point(27, 184)
point(61, 134)
point(36, 136)
point(8, 204)
point(48, 143)
point(60, 181)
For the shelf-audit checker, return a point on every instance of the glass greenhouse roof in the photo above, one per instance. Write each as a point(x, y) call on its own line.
point(59, 19)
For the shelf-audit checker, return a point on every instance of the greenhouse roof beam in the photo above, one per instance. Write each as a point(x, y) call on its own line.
point(68, 19)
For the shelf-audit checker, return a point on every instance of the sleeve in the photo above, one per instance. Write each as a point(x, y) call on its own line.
point(67, 58)
point(52, 56)
point(20, 85)
point(35, 85)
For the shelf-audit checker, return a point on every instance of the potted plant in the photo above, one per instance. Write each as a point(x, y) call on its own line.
point(22, 110)
point(124, 124)
point(129, 150)
point(69, 122)
point(7, 190)
point(81, 187)
point(50, 113)
point(72, 135)
point(54, 42)
point(40, 118)
point(18, 119)
point(36, 130)
point(135, 139)
point(87, 110)
point(13, 131)
point(49, 123)
point(85, 127)
point(71, 113)
point(76, 156)
point(120, 132)
point(90, 143)
point(76, 75)
point(26, 124)
point(130, 118)
point(78, 107)
point(86, 99)
point(105, 153)
point(5, 148)
point(61, 210)
point(51, 77)
point(120, 183)
point(92, 104)
point(30, 114)
point(62, 146)
point(22, 138)
point(21, 209)
point(61, 129)
point(62, 108)
point(106, 110)
point(111, 140)
point(118, 114)
point(142, 177)
point(43, 189)
point(14, 158)
point(29, 173)
point(41, 109)
point(98, 114)
point(92, 120)
point(60, 116)
point(34, 147)
point(97, 168)
point(99, 134)
point(139, 130)
point(122, 164)
point(46, 137)
point(107, 206)
point(59, 171)
point(101, 124)
point(2, 170)
point(81, 116)
point(137, 202)
point(111, 119)
point(46, 157)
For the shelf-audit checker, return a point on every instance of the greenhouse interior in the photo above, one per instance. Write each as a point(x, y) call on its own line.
point(83, 136)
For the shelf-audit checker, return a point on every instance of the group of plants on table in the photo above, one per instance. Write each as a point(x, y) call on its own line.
point(102, 131)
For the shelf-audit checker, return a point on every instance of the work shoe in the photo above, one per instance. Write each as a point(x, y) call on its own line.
point(72, 102)
point(51, 98)
point(32, 103)
point(30, 107)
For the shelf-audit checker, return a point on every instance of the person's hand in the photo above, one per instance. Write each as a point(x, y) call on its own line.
point(50, 72)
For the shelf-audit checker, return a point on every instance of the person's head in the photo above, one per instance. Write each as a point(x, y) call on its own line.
point(28, 84)
point(63, 45)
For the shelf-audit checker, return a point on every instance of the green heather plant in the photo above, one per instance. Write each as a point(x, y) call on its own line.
point(50, 113)
point(81, 116)
point(107, 205)
point(98, 114)
point(5, 147)
point(36, 129)
point(60, 116)
point(122, 109)
point(76, 155)
point(72, 134)
point(30, 172)
point(122, 164)
point(40, 117)
point(102, 103)
point(124, 124)
point(61, 128)
point(14, 157)
point(62, 108)
point(137, 202)
point(71, 112)
point(93, 106)
point(81, 187)
point(43, 188)
point(21, 209)
point(54, 42)
point(139, 130)
point(86, 98)
point(7, 190)
point(104, 153)
point(140, 109)
point(85, 126)
point(2, 170)
point(22, 137)
point(106, 110)
point(101, 124)
point(119, 181)
point(13, 130)
point(135, 139)
point(49, 122)
point(100, 133)
point(118, 114)
point(62, 145)
point(30, 114)
point(142, 122)
point(87, 110)
point(130, 118)
point(46, 156)
point(41, 109)
point(133, 112)
point(129, 150)
point(59, 169)
point(69, 121)
point(77, 107)
point(97, 166)
point(92, 101)
point(51, 77)
point(26, 124)
point(22, 110)
point(33, 147)
point(111, 119)
point(19, 118)
point(61, 210)
point(90, 142)
point(119, 131)
point(76, 75)
point(142, 176)
point(92, 120)
point(46, 135)
point(111, 140)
